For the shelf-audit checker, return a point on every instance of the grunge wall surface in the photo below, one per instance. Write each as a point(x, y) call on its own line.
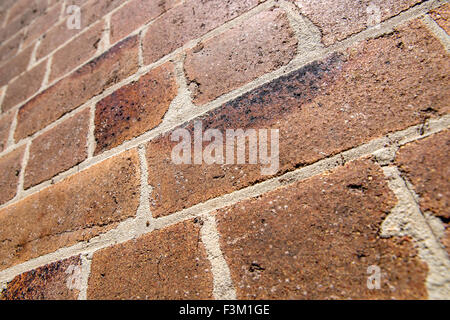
point(93, 207)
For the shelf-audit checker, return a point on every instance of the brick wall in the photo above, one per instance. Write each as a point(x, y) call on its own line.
point(93, 207)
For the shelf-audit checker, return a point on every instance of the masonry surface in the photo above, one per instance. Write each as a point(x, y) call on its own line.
point(93, 207)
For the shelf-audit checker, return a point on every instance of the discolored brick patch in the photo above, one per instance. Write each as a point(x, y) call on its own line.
point(425, 164)
point(378, 86)
point(259, 45)
point(135, 108)
point(170, 263)
point(340, 19)
point(442, 16)
point(187, 22)
point(76, 209)
point(116, 64)
point(60, 280)
point(10, 166)
point(315, 239)
point(58, 149)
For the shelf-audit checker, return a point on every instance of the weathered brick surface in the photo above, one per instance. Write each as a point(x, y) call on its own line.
point(10, 165)
point(316, 238)
point(58, 149)
point(341, 18)
point(259, 45)
point(15, 66)
point(27, 10)
point(442, 16)
point(77, 51)
point(5, 126)
point(56, 281)
point(91, 12)
point(24, 86)
point(91, 79)
point(379, 86)
point(9, 49)
point(135, 14)
point(134, 108)
point(76, 209)
point(165, 264)
point(42, 24)
point(188, 21)
point(425, 164)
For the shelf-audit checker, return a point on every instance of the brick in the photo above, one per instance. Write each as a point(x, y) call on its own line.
point(259, 45)
point(378, 86)
point(76, 52)
point(10, 48)
point(341, 18)
point(425, 164)
point(189, 21)
point(69, 93)
point(58, 149)
point(27, 10)
point(134, 108)
point(15, 66)
point(315, 239)
point(136, 13)
point(91, 12)
point(442, 16)
point(166, 264)
point(76, 209)
point(24, 86)
point(42, 24)
point(10, 166)
point(56, 281)
point(6, 120)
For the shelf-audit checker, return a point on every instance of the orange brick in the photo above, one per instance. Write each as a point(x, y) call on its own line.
point(58, 149)
point(134, 108)
point(316, 239)
point(165, 264)
point(188, 21)
point(442, 16)
point(76, 209)
point(69, 93)
point(10, 166)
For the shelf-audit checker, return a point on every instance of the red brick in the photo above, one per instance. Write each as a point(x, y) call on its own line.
point(56, 281)
point(42, 24)
point(77, 51)
point(259, 45)
point(166, 264)
point(27, 10)
point(10, 48)
point(341, 18)
point(315, 239)
point(24, 86)
point(76, 209)
point(442, 16)
point(58, 149)
point(134, 108)
point(136, 13)
point(10, 166)
point(380, 86)
point(69, 93)
point(15, 66)
point(5, 126)
point(188, 21)
point(91, 12)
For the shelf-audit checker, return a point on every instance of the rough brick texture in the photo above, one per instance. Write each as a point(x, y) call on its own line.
point(425, 164)
point(134, 108)
point(70, 92)
point(261, 44)
point(324, 108)
point(73, 210)
point(57, 150)
point(442, 16)
point(166, 264)
point(5, 126)
point(10, 166)
point(55, 281)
